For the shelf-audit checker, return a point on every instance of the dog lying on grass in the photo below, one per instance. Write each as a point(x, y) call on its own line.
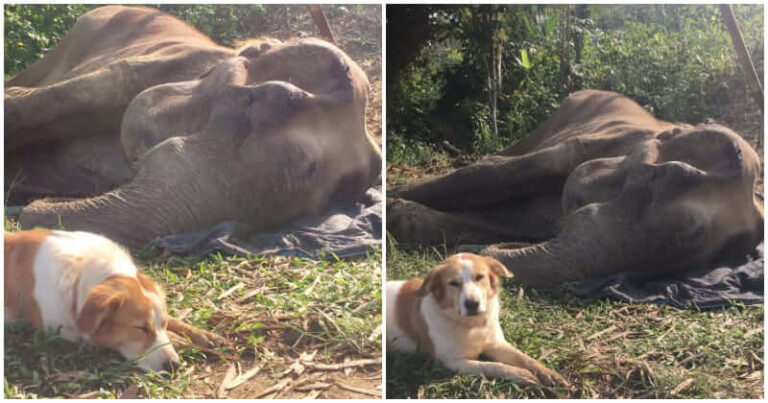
point(453, 315)
point(88, 286)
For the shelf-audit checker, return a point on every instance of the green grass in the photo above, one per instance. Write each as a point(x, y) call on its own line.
point(280, 308)
point(606, 349)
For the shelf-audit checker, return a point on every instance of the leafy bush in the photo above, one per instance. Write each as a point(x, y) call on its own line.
point(30, 31)
point(677, 61)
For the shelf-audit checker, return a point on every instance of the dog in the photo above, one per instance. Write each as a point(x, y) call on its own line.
point(453, 315)
point(87, 286)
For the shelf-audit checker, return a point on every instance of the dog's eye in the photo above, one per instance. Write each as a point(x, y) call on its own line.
point(479, 277)
point(454, 283)
point(144, 329)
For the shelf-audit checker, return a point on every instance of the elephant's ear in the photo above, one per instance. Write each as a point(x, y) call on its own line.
point(432, 283)
point(498, 268)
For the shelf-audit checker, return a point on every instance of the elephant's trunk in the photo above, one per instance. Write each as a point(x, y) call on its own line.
point(132, 215)
point(548, 264)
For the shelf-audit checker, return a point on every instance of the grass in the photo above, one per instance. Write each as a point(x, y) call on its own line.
point(273, 310)
point(606, 349)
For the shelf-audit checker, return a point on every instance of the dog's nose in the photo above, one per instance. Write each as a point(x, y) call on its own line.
point(171, 365)
point(471, 306)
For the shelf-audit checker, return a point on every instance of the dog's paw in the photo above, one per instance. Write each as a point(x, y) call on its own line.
point(548, 377)
point(522, 376)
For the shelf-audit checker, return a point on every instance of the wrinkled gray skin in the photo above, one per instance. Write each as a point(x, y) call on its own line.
point(601, 187)
point(180, 133)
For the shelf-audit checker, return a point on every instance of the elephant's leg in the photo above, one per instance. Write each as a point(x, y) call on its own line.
point(499, 178)
point(413, 223)
point(76, 168)
point(537, 219)
point(91, 104)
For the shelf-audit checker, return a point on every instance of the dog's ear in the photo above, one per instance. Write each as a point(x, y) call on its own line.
point(102, 302)
point(149, 285)
point(498, 268)
point(432, 283)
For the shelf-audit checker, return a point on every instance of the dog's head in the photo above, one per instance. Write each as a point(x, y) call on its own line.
point(465, 284)
point(128, 314)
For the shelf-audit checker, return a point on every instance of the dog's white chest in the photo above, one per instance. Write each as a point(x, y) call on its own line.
point(451, 340)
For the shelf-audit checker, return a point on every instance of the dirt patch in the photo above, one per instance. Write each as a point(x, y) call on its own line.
point(288, 364)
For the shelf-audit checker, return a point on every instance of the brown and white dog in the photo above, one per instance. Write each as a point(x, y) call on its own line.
point(89, 287)
point(454, 316)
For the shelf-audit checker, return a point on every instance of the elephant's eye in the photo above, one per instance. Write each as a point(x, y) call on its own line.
point(454, 283)
point(479, 277)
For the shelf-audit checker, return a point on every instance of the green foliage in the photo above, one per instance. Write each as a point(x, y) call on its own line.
point(676, 60)
point(30, 31)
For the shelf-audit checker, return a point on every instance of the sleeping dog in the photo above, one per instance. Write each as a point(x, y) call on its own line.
point(454, 316)
point(89, 287)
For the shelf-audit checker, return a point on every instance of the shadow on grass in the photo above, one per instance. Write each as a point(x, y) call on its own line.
point(417, 376)
point(47, 365)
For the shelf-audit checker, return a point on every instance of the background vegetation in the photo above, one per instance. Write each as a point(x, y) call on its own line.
point(31, 30)
point(456, 68)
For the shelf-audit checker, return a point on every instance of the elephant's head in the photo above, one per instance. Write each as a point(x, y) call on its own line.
point(265, 137)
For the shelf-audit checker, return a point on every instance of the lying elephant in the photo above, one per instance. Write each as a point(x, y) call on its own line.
point(600, 187)
point(145, 127)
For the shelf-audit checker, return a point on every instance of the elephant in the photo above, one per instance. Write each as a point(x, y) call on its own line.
point(136, 125)
point(601, 187)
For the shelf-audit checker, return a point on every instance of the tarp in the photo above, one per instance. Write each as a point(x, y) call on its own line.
point(703, 288)
point(348, 232)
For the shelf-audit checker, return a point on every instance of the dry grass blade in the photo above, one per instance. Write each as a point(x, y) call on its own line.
point(682, 386)
point(230, 383)
point(369, 392)
point(249, 295)
point(338, 366)
point(231, 373)
point(313, 386)
point(273, 389)
point(230, 291)
point(312, 394)
point(602, 332)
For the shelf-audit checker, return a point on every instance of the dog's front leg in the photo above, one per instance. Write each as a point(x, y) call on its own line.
point(492, 370)
point(198, 336)
point(508, 354)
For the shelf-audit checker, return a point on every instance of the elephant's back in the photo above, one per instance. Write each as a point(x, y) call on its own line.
point(109, 34)
point(588, 113)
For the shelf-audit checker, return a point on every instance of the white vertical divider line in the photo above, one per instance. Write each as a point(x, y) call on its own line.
point(383, 94)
